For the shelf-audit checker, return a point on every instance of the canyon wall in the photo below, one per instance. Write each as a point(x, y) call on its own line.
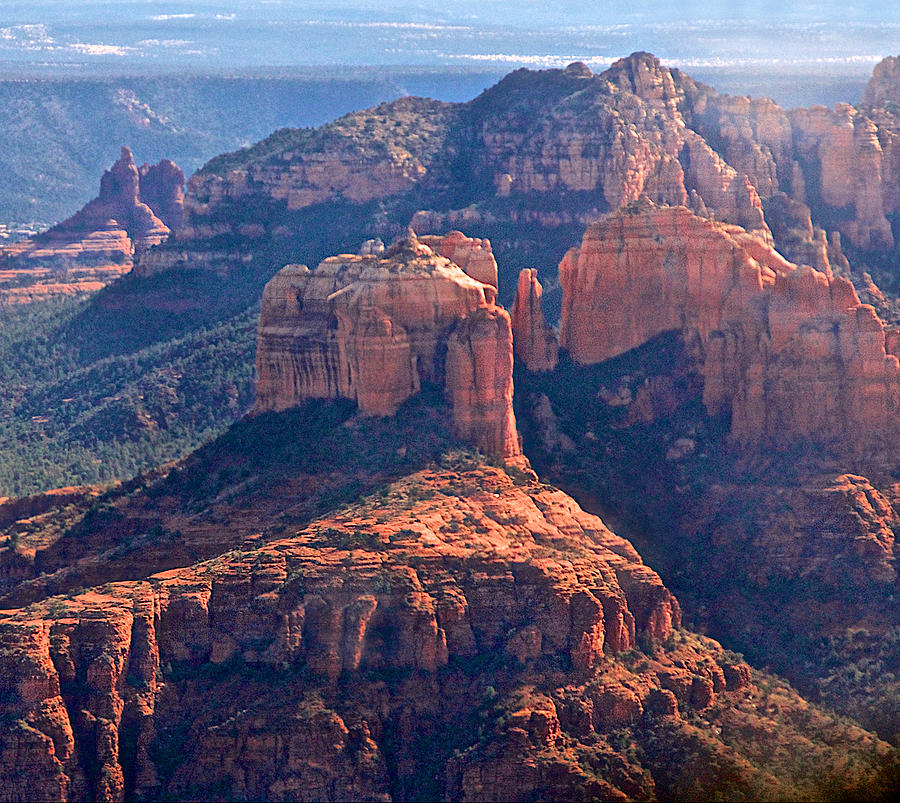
point(375, 328)
point(789, 352)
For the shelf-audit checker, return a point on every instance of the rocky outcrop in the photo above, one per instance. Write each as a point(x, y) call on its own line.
point(473, 255)
point(552, 150)
point(796, 237)
point(479, 380)
point(100, 241)
point(841, 162)
point(884, 85)
point(789, 352)
point(375, 328)
point(639, 146)
point(843, 152)
point(370, 639)
point(534, 342)
point(162, 189)
point(84, 703)
point(558, 147)
point(359, 157)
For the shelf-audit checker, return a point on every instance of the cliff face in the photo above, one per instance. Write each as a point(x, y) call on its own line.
point(135, 210)
point(612, 137)
point(550, 148)
point(361, 157)
point(790, 352)
point(841, 162)
point(374, 328)
point(553, 151)
point(455, 637)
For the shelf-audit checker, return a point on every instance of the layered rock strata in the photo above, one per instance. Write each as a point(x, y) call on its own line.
point(135, 210)
point(311, 663)
point(534, 342)
point(841, 162)
point(85, 701)
point(789, 352)
point(375, 328)
point(558, 147)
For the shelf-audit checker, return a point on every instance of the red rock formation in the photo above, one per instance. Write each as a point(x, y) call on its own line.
point(790, 352)
point(479, 380)
point(119, 200)
point(162, 189)
point(473, 255)
point(795, 235)
point(640, 147)
point(534, 342)
point(368, 328)
point(560, 146)
point(80, 674)
point(100, 241)
point(313, 661)
point(845, 147)
point(884, 85)
point(354, 157)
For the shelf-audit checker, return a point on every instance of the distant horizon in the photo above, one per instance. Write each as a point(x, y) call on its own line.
point(125, 36)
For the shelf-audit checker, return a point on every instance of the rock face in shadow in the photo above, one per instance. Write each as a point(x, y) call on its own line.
point(534, 342)
point(789, 352)
point(375, 328)
point(135, 210)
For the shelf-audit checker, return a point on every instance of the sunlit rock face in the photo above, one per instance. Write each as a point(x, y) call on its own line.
point(375, 328)
point(788, 351)
point(534, 342)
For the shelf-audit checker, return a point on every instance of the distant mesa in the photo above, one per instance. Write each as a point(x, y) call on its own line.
point(377, 327)
point(136, 209)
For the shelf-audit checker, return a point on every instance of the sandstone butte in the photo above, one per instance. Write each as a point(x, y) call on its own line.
point(788, 351)
point(375, 328)
point(136, 209)
point(309, 664)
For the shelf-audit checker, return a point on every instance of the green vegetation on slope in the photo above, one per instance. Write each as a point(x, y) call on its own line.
point(76, 408)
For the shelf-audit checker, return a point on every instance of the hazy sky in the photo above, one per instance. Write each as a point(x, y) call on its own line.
point(139, 34)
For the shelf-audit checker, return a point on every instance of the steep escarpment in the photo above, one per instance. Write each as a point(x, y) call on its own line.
point(376, 328)
point(428, 641)
point(840, 162)
point(787, 352)
point(135, 210)
point(540, 155)
point(786, 552)
point(549, 149)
